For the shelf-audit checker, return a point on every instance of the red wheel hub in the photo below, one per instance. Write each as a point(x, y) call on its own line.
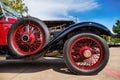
point(86, 53)
point(28, 38)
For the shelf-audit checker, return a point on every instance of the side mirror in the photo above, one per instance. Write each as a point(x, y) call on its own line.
point(26, 9)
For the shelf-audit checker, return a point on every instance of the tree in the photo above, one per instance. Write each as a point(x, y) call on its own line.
point(18, 5)
point(116, 28)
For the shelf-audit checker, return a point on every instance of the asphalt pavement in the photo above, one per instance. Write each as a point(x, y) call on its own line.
point(55, 69)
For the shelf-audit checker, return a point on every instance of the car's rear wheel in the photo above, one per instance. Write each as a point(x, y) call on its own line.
point(86, 53)
point(27, 36)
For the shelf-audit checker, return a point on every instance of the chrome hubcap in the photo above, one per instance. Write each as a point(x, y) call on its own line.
point(87, 53)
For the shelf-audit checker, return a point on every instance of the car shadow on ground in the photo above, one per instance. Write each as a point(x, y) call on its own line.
point(19, 66)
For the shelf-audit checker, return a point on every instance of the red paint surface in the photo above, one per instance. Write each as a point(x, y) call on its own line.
point(112, 72)
point(4, 29)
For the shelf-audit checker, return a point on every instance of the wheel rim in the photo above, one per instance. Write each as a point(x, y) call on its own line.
point(28, 38)
point(86, 53)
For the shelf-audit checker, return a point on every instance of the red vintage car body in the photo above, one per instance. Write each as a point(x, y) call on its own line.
point(5, 25)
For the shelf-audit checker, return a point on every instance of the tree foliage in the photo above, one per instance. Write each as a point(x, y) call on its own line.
point(116, 27)
point(18, 5)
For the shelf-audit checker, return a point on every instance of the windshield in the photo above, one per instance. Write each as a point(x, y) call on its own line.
point(9, 12)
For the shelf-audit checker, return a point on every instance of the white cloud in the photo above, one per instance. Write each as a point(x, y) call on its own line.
point(58, 9)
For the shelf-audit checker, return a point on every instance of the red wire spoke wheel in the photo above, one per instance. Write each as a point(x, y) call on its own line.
point(27, 36)
point(28, 41)
point(86, 53)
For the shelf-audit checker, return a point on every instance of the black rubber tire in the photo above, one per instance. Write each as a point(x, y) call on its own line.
point(41, 24)
point(80, 71)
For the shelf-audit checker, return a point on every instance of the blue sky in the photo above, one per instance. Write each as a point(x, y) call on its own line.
point(105, 12)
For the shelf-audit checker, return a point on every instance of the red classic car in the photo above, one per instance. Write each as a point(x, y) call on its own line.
point(28, 38)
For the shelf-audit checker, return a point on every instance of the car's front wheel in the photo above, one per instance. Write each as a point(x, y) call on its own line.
point(86, 53)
